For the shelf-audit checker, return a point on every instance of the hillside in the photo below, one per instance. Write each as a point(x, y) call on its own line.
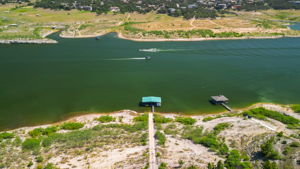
point(35, 23)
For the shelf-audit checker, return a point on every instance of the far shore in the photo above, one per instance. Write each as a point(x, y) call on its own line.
point(90, 115)
point(121, 36)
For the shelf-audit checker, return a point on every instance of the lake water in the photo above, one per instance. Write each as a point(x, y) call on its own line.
point(46, 83)
point(295, 26)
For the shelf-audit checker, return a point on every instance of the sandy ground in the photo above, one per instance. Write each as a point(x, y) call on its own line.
point(105, 159)
point(191, 154)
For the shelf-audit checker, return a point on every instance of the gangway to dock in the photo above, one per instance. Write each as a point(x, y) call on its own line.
point(226, 107)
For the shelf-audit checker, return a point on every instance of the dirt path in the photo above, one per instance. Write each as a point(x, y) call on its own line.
point(221, 26)
point(263, 124)
point(152, 158)
point(192, 23)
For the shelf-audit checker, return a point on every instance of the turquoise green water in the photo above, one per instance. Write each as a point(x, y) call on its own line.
point(295, 26)
point(45, 83)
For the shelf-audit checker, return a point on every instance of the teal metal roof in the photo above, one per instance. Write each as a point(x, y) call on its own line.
point(151, 99)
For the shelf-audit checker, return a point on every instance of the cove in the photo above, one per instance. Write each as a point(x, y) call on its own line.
point(46, 83)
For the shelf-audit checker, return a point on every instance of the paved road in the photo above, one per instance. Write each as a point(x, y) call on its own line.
point(152, 157)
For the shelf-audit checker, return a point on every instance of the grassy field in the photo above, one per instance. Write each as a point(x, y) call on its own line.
point(32, 23)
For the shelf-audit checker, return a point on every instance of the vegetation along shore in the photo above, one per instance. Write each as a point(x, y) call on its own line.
point(28, 22)
point(255, 137)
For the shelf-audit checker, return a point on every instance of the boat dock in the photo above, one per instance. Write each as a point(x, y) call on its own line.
point(151, 101)
point(222, 100)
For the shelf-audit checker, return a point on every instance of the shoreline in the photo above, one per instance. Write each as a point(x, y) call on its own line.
point(121, 36)
point(73, 118)
point(28, 41)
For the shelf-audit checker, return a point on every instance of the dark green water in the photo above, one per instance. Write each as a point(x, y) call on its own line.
point(45, 83)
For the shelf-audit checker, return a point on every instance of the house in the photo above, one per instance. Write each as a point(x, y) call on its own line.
point(172, 10)
point(114, 9)
point(190, 6)
point(86, 8)
point(221, 6)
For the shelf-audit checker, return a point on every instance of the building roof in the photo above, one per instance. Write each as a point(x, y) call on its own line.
point(220, 98)
point(151, 99)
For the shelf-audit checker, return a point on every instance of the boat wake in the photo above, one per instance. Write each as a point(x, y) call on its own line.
point(128, 59)
point(158, 50)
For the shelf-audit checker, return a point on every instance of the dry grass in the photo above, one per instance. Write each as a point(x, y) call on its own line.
point(87, 24)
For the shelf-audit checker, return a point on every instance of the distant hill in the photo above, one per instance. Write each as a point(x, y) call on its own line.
point(187, 8)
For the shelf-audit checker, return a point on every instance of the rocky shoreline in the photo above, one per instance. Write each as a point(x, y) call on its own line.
point(28, 41)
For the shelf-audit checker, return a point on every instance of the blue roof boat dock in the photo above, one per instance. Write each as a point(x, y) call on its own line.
point(151, 101)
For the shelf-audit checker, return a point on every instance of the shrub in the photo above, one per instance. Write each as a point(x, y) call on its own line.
point(143, 118)
point(296, 108)
point(294, 144)
point(286, 150)
point(39, 159)
point(185, 120)
point(220, 127)
point(6, 135)
point(234, 161)
point(192, 133)
point(162, 166)
point(255, 115)
point(262, 113)
point(220, 165)
point(17, 141)
point(160, 137)
point(192, 167)
point(50, 166)
point(71, 139)
point(31, 144)
point(72, 126)
point(268, 150)
point(30, 164)
point(280, 134)
point(106, 119)
point(161, 119)
point(270, 165)
point(171, 129)
point(138, 126)
point(208, 118)
point(144, 139)
point(43, 131)
point(180, 162)
point(36, 132)
point(50, 130)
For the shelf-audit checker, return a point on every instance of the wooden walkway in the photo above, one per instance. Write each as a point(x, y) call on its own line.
point(152, 154)
point(226, 106)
